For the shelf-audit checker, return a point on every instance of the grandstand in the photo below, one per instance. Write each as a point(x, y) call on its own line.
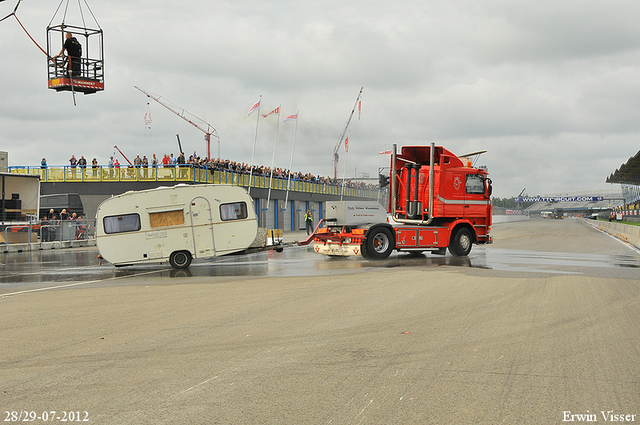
point(624, 202)
point(584, 204)
point(628, 176)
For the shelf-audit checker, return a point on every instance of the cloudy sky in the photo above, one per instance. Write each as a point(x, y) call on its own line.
point(551, 89)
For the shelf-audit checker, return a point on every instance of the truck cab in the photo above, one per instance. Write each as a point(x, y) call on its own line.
point(437, 200)
point(458, 190)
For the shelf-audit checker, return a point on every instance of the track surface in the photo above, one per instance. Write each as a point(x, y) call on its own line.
point(542, 324)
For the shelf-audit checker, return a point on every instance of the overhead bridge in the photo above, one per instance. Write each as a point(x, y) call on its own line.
point(276, 207)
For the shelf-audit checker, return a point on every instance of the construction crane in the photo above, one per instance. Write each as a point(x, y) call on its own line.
point(121, 153)
point(341, 140)
point(198, 123)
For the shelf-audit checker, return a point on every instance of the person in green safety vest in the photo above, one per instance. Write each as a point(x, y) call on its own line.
point(308, 220)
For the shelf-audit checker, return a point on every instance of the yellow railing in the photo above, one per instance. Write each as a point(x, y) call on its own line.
point(185, 175)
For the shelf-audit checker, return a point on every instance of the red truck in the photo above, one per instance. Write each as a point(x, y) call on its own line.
point(436, 200)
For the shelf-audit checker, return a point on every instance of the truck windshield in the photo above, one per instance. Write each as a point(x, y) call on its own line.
point(475, 184)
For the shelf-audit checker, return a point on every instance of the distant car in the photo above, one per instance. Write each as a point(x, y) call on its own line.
point(558, 213)
point(68, 201)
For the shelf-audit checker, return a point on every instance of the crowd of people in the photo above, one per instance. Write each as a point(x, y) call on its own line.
point(195, 161)
point(52, 222)
point(276, 172)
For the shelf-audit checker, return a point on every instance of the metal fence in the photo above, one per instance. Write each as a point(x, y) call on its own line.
point(49, 231)
point(65, 230)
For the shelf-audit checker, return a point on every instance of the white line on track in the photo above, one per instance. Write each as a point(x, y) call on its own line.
point(39, 272)
point(197, 385)
point(75, 284)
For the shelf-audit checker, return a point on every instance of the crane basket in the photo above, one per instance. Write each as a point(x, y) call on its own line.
point(87, 74)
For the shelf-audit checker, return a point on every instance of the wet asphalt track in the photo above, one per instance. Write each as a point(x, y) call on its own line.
point(80, 266)
point(540, 325)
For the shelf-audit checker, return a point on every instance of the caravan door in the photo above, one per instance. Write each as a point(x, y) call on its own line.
point(202, 227)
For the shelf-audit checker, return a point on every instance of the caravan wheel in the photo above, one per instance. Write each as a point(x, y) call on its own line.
point(180, 259)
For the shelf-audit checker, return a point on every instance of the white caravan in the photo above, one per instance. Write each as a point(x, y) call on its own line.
point(175, 223)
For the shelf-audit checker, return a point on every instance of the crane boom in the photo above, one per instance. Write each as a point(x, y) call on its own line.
point(123, 155)
point(198, 123)
point(344, 132)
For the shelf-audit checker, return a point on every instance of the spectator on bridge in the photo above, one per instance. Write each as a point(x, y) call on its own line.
point(145, 164)
point(110, 167)
point(137, 163)
point(43, 168)
point(72, 163)
point(182, 164)
point(82, 163)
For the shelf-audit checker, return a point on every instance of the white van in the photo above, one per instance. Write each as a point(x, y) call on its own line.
point(176, 223)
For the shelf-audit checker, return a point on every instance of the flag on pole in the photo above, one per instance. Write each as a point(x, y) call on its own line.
point(291, 117)
point(253, 108)
point(346, 144)
point(359, 109)
point(275, 111)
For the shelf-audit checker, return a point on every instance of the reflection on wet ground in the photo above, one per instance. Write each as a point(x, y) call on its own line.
point(554, 262)
point(66, 268)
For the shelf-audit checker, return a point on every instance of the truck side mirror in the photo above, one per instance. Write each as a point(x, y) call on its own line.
point(384, 180)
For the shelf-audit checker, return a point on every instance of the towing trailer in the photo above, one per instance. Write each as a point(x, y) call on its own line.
point(437, 201)
point(175, 224)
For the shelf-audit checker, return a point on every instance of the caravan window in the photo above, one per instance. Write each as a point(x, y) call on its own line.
point(166, 218)
point(235, 211)
point(121, 223)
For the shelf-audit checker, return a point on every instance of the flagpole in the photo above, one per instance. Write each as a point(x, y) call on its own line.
point(273, 158)
point(293, 145)
point(253, 154)
point(344, 174)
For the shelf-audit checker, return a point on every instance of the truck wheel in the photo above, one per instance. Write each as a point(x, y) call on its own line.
point(379, 243)
point(180, 259)
point(461, 243)
point(363, 251)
